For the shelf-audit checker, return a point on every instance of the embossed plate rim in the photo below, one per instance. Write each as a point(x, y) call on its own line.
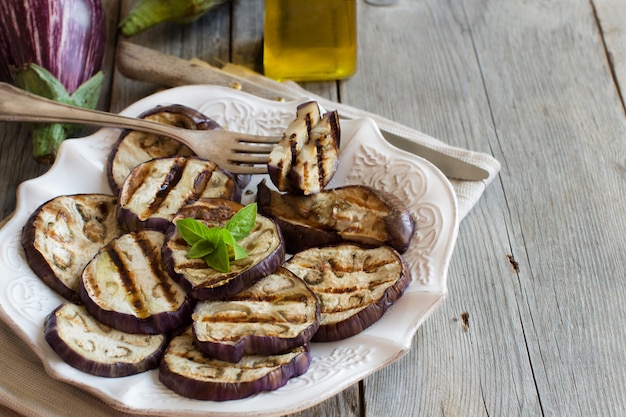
point(336, 365)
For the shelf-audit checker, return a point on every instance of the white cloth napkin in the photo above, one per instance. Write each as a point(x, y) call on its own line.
point(26, 389)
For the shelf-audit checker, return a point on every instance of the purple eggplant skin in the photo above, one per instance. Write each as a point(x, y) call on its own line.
point(297, 237)
point(399, 223)
point(155, 324)
point(76, 360)
point(255, 344)
point(65, 37)
point(210, 388)
point(365, 318)
point(40, 266)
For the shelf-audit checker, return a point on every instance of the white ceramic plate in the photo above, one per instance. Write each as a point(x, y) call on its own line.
point(366, 158)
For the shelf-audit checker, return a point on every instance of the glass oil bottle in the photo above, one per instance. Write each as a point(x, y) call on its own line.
point(310, 40)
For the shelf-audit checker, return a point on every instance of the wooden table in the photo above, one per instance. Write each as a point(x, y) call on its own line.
point(534, 322)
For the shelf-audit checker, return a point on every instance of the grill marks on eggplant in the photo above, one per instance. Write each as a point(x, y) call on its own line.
point(170, 180)
point(64, 233)
point(317, 161)
point(130, 282)
point(126, 287)
point(277, 313)
point(154, 191)
point(306, 158)
point(355, 285)
point(188, 372)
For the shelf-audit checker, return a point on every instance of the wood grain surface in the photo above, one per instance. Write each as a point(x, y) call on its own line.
point(534, 322)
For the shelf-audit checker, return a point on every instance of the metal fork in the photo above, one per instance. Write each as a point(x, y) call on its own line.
point(238, 153)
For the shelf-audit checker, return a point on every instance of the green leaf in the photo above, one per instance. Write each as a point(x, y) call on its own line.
point(46, 140)
point(219, 259)
point(227, 237)
point(242, 223)
point(240, 252)
point(200, 249)
point(213, 235)
point(40, 81)
point(235, 250)
point(88, 93)
point(192, 230)
point(46, 137)
point(148, 13)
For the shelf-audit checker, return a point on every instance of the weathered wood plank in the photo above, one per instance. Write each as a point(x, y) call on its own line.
point(543, 130)
point(16, 163)
point(247, 34)
point(561, 134)
point(611, 15)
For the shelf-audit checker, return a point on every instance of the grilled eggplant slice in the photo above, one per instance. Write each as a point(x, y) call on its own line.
point(125, 286)
point(306, 158)
point(265, 247)
point(190, 373)
point(279, 312)
point(354, 213)
point(64, 233)
point(355, 285)
point(155, 190)
point(134, 147)
point(88, 345)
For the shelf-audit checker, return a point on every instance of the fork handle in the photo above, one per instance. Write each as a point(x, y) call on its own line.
point(17, 105)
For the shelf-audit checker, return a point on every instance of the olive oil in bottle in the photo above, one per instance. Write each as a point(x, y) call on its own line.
point(310, 40)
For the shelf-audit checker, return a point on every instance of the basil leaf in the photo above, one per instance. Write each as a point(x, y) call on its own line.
point(227, 237)
point(213, 235)
point(192, 230)
point(235, 250)
point(241, 224)
point(219, 259)
point(200, 249)
point(240, 252)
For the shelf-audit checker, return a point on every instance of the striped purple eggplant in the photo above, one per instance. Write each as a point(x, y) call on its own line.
point(54, 49)
point(65, 37)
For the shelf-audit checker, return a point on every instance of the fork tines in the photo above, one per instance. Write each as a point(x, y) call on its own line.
point(250, 153)
point(254, 148)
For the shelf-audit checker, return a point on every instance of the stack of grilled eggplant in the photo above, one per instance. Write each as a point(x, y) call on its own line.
point(136, 301)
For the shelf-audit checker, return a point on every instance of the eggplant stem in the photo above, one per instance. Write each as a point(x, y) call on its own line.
point(46, 141)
